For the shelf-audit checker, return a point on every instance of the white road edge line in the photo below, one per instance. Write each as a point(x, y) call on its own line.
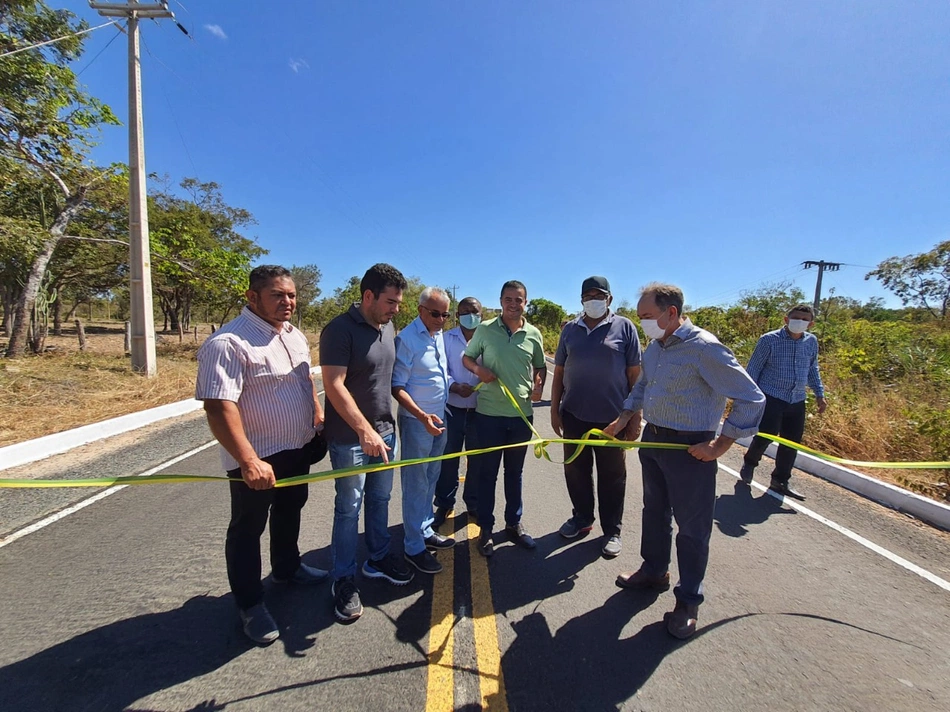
point(889, 555)
point(36, 526)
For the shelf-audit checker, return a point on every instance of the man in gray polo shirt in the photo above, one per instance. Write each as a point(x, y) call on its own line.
point(595, 366)
point(357, 353)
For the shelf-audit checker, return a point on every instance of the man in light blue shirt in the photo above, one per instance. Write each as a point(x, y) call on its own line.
point(460, 427)
point(420, 385)
point(783, 363)
point(687, 377)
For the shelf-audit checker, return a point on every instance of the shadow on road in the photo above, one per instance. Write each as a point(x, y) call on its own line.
point(735, 512)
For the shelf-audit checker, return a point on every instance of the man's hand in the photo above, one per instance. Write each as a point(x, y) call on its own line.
point(536, 392)
point(485, 375)
point(462, 389)
point(258, 475)
point(707, 452)
point(432, 423)
point(374, 445)
point(318, 421)
point(556, 421)
point(632, 431)
point(822, 404)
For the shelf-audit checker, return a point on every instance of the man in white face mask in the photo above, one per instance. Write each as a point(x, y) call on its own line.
point(687, 377)
point(596, 364)
point(784, 362)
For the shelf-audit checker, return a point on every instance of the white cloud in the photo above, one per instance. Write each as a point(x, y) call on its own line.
point(298, 64)
point(216, 31)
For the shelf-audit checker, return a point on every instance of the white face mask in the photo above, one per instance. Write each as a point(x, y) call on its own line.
point(652, 329)
point(470, 321)
point(798, 326)
point(595, 308)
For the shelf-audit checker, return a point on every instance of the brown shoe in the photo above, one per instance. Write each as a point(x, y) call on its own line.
point(640, 579)
point(681, 621)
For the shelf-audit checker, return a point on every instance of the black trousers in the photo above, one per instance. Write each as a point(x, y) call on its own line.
point(249, 510)
point(611, 477)
point(786, 420)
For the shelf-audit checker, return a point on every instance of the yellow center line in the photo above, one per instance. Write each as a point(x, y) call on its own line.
point(487, 654)
point(440, 687)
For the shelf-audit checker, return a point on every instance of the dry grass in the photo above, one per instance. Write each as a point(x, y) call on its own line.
point(65, 388)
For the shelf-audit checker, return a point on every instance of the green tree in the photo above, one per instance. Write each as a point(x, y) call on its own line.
point(921, 280)
point(545, 314)
point(306, 280)
point(48, 122)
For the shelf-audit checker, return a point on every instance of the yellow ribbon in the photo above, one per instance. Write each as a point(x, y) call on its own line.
point(592, 438)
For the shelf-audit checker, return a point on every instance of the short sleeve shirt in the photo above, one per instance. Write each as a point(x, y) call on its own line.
point(368, 354)
point(595, 365)
point(265, 370)
point(512, 356)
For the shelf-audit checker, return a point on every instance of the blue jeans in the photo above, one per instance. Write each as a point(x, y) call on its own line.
point(418, 481)
point(460, 430)
point(375, 487)
point(676, 484)
point(493, 431)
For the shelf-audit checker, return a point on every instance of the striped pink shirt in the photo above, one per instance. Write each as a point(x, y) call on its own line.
point(266, 371)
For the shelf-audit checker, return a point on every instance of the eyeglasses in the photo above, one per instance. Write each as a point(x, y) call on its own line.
point(437, 314)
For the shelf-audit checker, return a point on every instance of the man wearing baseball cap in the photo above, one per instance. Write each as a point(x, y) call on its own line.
point(595, 366)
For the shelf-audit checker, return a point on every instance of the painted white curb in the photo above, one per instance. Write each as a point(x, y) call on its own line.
point(39, 449)
point(902, 500)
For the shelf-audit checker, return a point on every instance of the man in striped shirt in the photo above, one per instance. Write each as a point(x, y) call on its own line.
point(254, 379)
point(784, 362)
point(687, 377)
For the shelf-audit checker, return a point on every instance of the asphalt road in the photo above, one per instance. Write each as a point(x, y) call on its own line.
point(124, 605)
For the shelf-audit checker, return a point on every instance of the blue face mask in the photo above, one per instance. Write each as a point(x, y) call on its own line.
point(469, 321)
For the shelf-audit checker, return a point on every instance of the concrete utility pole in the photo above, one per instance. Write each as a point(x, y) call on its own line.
point(822, 266)
point(140, 287)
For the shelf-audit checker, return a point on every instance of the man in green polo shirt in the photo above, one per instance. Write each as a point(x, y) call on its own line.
point(511, 352)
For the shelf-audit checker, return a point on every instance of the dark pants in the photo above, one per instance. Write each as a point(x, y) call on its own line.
point(249, 509)
point(611, 477)
point(460, 427)
point(786, 420)
point(676, 484)
point(494, 431)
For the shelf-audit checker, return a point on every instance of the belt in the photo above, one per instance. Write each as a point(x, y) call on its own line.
point(660, 430)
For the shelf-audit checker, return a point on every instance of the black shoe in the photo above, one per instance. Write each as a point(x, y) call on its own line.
point(519, 536)
point(785, 490)
point(574, 527)
point(745, 474)
point(485, 545)
point(258, 624)
point(681, 621)
point(441, 514)
point(437, 541)
point(425, 562)
point(346, 599)
point(389, 568)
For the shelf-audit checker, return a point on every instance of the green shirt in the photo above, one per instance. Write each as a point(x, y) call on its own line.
point(510, 356)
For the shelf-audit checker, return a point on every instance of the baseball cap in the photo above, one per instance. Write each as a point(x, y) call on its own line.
point(595, 282)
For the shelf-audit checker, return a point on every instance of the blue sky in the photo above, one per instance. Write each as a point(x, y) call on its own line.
point(713, 144)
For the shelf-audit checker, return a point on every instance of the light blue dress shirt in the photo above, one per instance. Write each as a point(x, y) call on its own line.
point(455, 344)
point(686, 381)
point(421, 368)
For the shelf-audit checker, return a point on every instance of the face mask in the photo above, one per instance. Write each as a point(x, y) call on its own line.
point(652, 329)
point(595, 308)
point(469, 321)
point(798, 326)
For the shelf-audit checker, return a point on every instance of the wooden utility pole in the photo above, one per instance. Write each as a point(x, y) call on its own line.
point(822, 266)
point(140, 278)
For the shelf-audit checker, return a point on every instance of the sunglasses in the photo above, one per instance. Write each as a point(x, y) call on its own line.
point(437, 314)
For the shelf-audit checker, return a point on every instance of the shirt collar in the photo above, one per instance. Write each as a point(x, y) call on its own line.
point(421, 329)
point(264, 326)
point(580, 321)
point(682, 333)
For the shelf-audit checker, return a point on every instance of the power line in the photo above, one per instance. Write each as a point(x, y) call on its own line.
point(91, 61)
point(58, 39)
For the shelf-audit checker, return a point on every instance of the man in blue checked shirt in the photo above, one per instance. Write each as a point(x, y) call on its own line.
point(784, 362)
point(421, 387)
point(687, 377)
